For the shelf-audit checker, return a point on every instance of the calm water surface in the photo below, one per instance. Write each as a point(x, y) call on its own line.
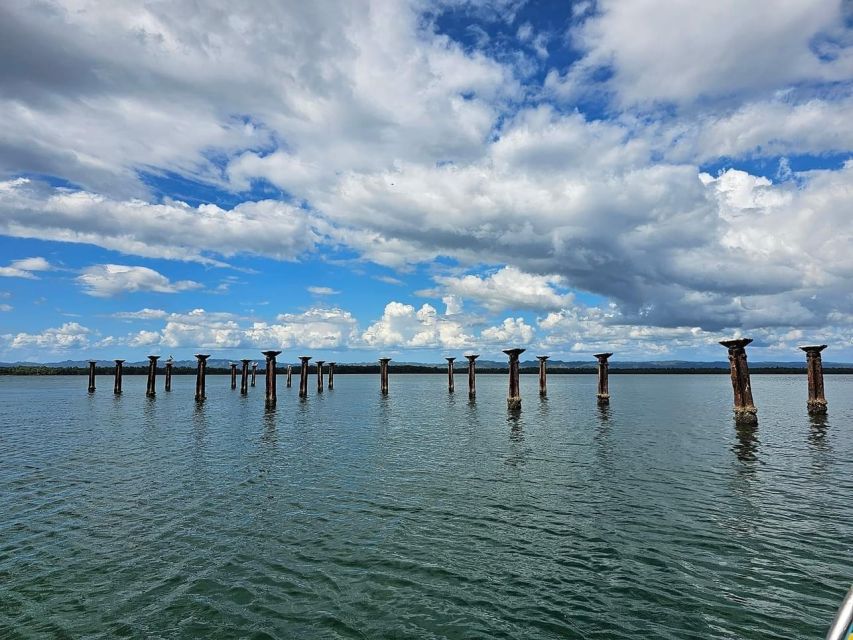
point(421, 515)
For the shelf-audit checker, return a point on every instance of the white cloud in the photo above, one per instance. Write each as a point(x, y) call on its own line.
point(25, 268)
point(401, 325)
point(323, 291)
point(70, 335)
point(509, 288)
point(512, 331)
point(108, 280)
point(6, 307)
point(142, 314)
point(669, 50)
point(172, 230)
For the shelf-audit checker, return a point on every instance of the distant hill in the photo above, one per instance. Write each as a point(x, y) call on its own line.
point(71, 367)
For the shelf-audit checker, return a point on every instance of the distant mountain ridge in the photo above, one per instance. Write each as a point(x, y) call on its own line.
point(461, 363)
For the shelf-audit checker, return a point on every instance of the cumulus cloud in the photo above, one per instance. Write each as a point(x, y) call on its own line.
point(70, 335)
point(108, 280)
point(674, 51)
point(509, 288)
point(172, 230)
point(6, 307)
point(25, 268)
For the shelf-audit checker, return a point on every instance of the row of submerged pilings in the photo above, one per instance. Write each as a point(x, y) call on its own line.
point(744, 405)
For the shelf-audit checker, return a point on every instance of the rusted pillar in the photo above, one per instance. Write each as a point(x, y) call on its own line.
point(289, 376)
point(117, 384)
point(450, 386)
point(169, 363)
point(513, 398)
point(303, 377)
point(814, 368)
point(543, 381)
point(92, 364)
point(233, 366)
point(270, 376)
point(254, 372)
point(744, 407)
point(383, 375)
point(320, 364)
point(150, 389)
point(200, 376)
point(472, 375)
point(332, 375)
point(603, 384)
point(244, 377)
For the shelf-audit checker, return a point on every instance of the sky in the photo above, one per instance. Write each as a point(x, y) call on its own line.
point(352, 179)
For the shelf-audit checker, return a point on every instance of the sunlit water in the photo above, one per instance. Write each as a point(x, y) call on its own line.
point(421, 515)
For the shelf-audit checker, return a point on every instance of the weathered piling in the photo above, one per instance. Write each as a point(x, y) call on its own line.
point(450, 385)
point(472, 375)
point(270, 376)
point(603, 393)
point(303, 377)
point(814, 368)
point(383, 375)
point(92, 364)
point(332, 375)
point(244, 377)
point(744, 407)
point(543, 381)
point(289, 376)
point(254, 372)
point(233, 366)
point(150, 389)
point(513, 398)
point(169, 363)
point(200, 376)
point(320, 364)
point(117, 383)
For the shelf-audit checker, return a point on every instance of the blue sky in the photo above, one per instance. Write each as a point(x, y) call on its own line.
point(415, 179)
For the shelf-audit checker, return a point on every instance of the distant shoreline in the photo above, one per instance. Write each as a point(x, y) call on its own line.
point(414, 369)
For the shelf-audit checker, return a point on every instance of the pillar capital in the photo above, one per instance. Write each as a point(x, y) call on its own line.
point(602, 357)
point(514, 353)
point(386, 360)
point(153, 358)
point(93, 361)
point(813, 350)
point(472, 356)
point(202, 357)
point(270, 354)
point(736, 343)
point(119, 361)
point(245, 361)
point(304, 359)
point(450, 359)
point(320, 362)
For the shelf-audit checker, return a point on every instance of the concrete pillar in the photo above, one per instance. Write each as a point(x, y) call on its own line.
point(603, 384)
point(233, 366)
point(92, 364)
point(744, 407)
point(332, 375)
point(117, 384)
point(270, 377)
point(254, 372)
point(543, 381)
point(814, 368)
point(472, 375)
point(320, 364)
point(169, 364)
point(383, 375)
point(450, 385)
point(200, 376)
point(289, 376)
point(244, 377)
point(150, 389)
point(303, 377)
point(513, 398)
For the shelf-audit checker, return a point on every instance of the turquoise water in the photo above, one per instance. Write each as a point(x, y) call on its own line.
point(421, 515)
